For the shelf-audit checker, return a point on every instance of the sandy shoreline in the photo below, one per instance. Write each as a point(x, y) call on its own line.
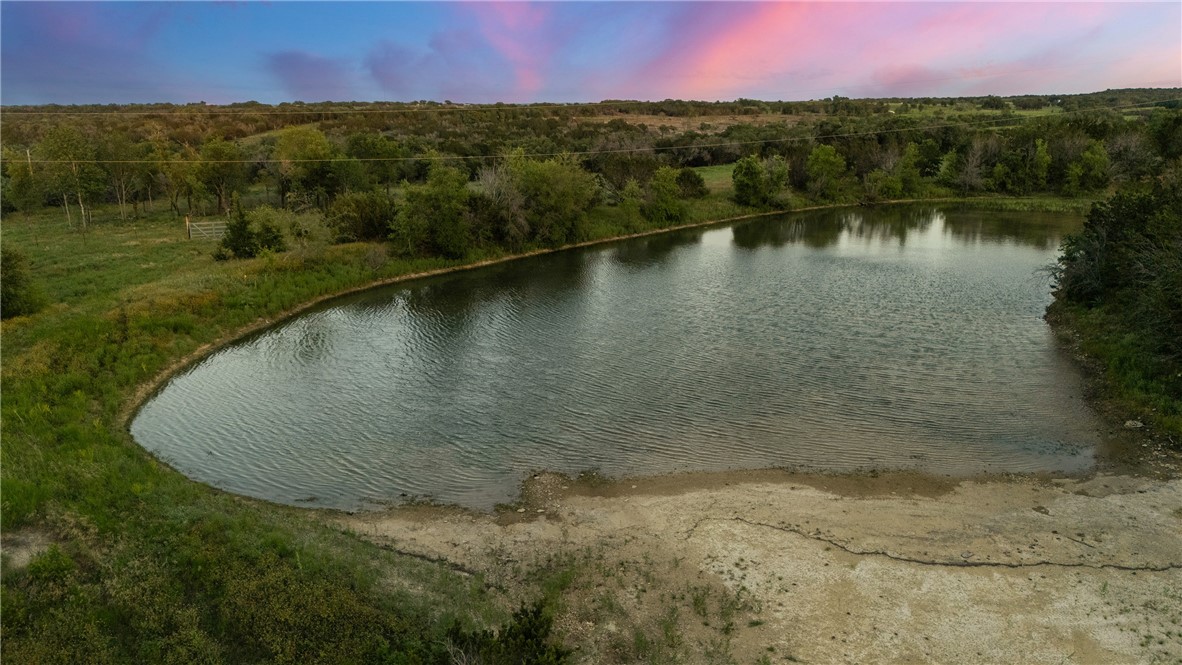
point(791, 567)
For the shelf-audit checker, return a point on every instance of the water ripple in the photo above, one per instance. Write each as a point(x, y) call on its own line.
point(887, 339)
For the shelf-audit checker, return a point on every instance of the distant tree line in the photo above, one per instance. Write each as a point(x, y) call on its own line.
point(192, 124)
point(446, 179)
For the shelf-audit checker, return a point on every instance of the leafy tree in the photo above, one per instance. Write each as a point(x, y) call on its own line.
point(222, 170)
point(759, 182)
point(930, 158)
point(631, 201)
point(825, 168)
point(304, 157)
point(382, 159)
point(434, 217)
point(1066, 146)
point(624, 153)
point(879, 184)
point(664, 205)
point(908, 172)
point(122, 157)
point(1094, 167)
point(970, 168)
point(1096, 261)
point(994, 103)
point(1089, 172)
point(501, 205)
point(557, 194)
point(1002, 179)
point(1021, 169)
point(691, 183)
point(22, 189)
point(1029, 102)
point(1165, 126)
point(1132, 155)
point(178, 174)
point(361, 216)
point(747, 180)
point(239, 241)
point(68, 170)
point(1040, 165)
point(268, 224)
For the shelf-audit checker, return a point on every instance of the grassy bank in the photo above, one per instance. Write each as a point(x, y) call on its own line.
point(143, 565)
point(1026, 203)
point(1125, 376)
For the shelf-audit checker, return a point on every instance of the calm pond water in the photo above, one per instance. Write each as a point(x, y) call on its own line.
point(886, 338)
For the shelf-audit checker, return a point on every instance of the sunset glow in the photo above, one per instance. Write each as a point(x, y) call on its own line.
point(573, 51)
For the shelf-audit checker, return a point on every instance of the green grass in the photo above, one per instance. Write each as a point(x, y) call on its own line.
point(148, 566)
point(1043, 203)
point(1129, 376)
point(718, 178)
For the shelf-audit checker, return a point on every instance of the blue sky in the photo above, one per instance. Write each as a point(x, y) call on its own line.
point(221, 52)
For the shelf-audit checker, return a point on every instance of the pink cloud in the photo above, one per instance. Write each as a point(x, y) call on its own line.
point(801, 50)
point(54, 50)
point(309, 77)
point(494, 51)
point(392, 66)
point(450, 69)
point(518, 32)
point(723, 51)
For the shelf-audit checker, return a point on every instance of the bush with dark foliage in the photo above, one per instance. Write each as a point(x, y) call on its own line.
point(523, 641)
point(246, 240)
point(18, 295)
point(1121, 276)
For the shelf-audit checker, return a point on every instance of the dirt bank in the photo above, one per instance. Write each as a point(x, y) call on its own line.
point(773, 566)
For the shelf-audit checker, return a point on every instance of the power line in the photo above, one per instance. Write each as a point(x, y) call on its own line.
point(441, 108)
point(606, 151)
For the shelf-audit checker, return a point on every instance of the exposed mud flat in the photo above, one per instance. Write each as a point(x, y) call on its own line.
point(772, 566)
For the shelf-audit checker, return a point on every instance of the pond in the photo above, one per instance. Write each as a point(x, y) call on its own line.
point(854, 339)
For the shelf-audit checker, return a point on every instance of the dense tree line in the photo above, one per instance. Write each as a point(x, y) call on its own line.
point(193, 123)
point(446, 179)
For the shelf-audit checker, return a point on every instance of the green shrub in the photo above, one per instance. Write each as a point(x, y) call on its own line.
point(525, 640)
point(692, 184)
point(1122, 275)
point(361, 216)
point(249, 235)
point(18, 294)
point(759, 183)
point(664, 206)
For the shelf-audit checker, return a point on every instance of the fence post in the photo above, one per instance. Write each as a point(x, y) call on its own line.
point(188, 229)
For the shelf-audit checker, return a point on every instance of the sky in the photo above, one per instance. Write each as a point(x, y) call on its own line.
point(518, 52)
